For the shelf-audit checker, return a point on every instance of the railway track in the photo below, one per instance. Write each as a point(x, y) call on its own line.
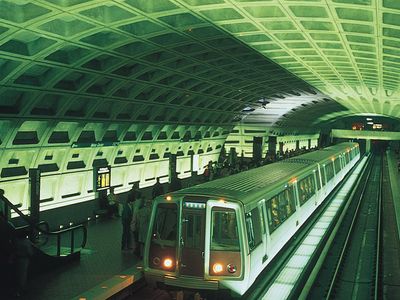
point(315, 234)
point(352, 266)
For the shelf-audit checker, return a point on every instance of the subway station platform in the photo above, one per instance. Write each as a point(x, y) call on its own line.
point(100, 260)
point(103, 265)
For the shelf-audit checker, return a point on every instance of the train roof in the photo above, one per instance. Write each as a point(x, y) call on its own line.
point(322, 154)
point(242, 185)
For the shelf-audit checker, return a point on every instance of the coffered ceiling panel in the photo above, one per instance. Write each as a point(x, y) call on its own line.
point(197, 61)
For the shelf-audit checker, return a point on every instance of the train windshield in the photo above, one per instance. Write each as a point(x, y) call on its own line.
point(165, 224)
point(224, 230)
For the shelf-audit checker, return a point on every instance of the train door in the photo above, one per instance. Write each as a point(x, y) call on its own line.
point(317, 185)
point(192, 239)
point(263, 213)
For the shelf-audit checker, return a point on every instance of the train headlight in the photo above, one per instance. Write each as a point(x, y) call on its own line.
point(167, 263)
point(231, 268)
point(217, 268)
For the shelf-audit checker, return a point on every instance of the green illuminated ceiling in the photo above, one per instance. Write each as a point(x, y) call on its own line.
point(196, 61)
point(348, 49)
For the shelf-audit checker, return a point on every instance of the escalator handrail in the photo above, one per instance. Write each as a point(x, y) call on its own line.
point(45, 231)
point(38, 224)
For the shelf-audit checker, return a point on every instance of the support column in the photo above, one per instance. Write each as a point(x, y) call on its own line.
point(172, 168)
point(367, 146)
point(272, 145)
point(257, 148)
point(34, 188)
point(281, 148)
point(232, 157)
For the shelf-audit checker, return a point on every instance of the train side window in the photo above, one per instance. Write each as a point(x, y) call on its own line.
point(224, 234)
point(306, 189)
point(272, 213)
point(323, 175)
point(337, 165)
point(263, 221)
point(280, 208)
point(329, 171)
point(317, 178)
point(253, 225)
point(287, 204)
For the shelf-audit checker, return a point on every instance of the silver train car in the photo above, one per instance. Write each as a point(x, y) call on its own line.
point(222, 234)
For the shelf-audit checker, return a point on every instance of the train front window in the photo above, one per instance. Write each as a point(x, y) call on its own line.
point(165, 224)
point(224, 228)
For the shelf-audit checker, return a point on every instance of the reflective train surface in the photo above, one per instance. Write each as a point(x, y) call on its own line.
point(222, 234)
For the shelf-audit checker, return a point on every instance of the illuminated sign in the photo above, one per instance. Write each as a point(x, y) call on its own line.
point(94, 145)
point(357, 126)
point(194, 205)
point(101, 178)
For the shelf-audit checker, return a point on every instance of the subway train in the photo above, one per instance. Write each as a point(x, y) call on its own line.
point(221, 234)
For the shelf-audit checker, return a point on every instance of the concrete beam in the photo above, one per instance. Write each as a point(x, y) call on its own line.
point(366, 134)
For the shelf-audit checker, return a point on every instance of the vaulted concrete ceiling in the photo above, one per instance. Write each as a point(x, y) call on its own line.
point(198, 61)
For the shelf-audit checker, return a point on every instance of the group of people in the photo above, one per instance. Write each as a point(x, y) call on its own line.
point(135, 219)
point(225, 167)
point(135, 214)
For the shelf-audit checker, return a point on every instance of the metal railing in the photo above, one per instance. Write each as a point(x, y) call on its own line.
point(46, 231)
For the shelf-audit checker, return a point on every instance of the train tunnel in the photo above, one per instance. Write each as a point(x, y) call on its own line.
point(100, 94)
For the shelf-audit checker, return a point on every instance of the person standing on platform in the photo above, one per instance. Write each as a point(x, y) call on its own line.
point(143, 224)
point(134, 192)
point(7, 255)
point(113, 204)
point(126, 223)
point(157, 189)
point(207, 171)
point(4, 208)
point(23, 253)
point(136, 205)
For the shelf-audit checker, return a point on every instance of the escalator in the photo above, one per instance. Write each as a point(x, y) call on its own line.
point(50, 249)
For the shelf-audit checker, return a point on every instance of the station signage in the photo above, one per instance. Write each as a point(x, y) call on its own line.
point(94, 145)
point(101, 178)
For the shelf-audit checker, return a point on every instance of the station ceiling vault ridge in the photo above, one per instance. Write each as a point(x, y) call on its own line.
point(134, 60)
point(197, 61)
point(348, 49)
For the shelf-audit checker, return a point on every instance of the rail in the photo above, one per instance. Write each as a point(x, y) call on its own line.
point(348, 239)
point(37, 226)
point(378, 238)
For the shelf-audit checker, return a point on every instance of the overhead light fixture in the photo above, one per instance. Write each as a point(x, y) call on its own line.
point(248, 109)
point(369, 119)
point(370, 123)
point(263, 102)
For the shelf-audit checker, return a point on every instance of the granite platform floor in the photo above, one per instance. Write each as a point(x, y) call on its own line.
point(101, 259)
